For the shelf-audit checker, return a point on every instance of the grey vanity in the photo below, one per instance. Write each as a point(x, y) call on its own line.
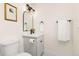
point(34, 44)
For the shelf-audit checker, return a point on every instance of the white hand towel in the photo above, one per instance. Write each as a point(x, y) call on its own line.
point(63, 30)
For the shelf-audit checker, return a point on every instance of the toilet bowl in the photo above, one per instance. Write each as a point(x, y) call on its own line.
point(10, 47)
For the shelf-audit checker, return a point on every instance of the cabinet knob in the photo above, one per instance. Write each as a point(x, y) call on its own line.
point(41, 41)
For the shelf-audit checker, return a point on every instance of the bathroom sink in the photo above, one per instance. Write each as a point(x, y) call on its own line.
point(32, 35)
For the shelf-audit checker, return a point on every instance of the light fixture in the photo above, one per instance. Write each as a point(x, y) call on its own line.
point(30, 8)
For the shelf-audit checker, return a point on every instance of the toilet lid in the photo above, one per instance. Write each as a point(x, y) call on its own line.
point(24, 54)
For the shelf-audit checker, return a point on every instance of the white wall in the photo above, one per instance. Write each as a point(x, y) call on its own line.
point(50, 13)
point(10, 28)
point(76, 29)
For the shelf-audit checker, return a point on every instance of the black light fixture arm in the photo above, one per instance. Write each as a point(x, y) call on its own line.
point(30, 8)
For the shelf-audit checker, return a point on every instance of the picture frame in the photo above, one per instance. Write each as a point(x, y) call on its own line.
point(10, 12)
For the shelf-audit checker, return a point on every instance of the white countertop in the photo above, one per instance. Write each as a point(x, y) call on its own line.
point(32, 35)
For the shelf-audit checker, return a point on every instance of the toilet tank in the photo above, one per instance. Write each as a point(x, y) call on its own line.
point(9, 47)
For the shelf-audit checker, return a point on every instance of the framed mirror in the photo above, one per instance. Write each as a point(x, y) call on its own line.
point(27, 21)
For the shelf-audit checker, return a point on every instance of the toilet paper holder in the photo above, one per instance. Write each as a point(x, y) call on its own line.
point(32, 41)
point(41, 41)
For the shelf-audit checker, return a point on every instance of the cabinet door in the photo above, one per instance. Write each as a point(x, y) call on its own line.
point(40, 46)
point(26, 45)
point(30, 47)
point(33, 51)
point(33, 48)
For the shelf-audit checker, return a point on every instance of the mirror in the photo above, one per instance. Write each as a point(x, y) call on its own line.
point(27, 21)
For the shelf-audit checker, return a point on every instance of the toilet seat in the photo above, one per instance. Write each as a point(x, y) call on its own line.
point(24, 54)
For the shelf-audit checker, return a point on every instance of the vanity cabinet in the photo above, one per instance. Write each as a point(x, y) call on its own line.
point(36, 46)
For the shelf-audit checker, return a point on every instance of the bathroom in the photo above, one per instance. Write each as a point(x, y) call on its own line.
point(45, 22)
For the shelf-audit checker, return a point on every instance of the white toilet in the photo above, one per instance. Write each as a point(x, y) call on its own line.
point(10, 47)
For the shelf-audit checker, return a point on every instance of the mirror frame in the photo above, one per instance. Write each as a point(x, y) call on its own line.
point(23, 20)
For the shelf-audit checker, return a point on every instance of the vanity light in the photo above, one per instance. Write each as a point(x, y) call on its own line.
point(30, 8)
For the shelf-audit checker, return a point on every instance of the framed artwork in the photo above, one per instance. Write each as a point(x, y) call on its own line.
point(10, 12)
